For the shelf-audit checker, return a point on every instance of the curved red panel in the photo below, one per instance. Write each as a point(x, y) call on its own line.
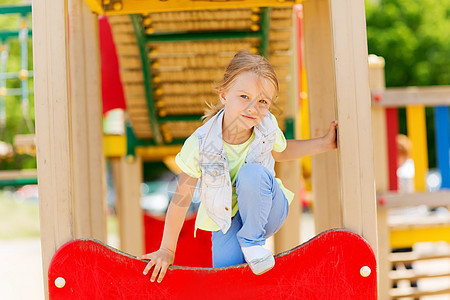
point(326, 267)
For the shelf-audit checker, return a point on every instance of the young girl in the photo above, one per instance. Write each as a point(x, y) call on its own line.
point(233, 155)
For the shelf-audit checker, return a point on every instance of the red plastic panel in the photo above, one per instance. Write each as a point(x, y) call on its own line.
point(326, 267)
point(191, 252)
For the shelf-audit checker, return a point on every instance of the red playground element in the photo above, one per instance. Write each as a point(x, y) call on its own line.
point(337, 264)
point(112, 89)
point(392, 132)
point(191, 252)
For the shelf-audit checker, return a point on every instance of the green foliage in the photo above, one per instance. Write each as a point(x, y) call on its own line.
point(15, 121)
point(414, 38)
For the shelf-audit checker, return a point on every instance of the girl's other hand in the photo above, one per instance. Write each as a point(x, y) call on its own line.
point(330, 138)
point(161, 260)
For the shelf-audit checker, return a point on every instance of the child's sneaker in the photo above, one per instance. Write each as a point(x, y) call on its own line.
point(259, 259)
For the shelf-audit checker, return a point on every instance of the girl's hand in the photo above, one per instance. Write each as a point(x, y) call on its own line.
point(161, 260)
point(330, 137)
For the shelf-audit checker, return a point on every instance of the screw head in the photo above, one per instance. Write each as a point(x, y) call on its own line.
point(365, 271)
point(60, 282)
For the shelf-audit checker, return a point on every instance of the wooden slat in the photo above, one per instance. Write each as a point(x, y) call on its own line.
point(402, 97)
point(408, 257)
point(415, 292)
point(290, 172)
point(139, 6)
point(128, 178)
point(17, 174)
point(403, 238)
point(433, 199)
point(379, 126)
point(319, 67)
point(132, 76)
point(416, 125)
point(413, 275)
point(401, 222)
point(353, 107)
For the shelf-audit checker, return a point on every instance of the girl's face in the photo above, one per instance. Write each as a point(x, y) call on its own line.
point(247, 101)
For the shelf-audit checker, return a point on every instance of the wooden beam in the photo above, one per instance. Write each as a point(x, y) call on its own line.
point(141, 7)
point(89, 201)
point(127, 174)
point(354, 116)
point(381, 172)
point(396, 200)
point(402, 97)
point(321, 94)
point(53, 134)
point(288, 236)
point(17, 174)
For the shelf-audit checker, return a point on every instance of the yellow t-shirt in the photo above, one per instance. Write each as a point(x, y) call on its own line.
point(188, 161)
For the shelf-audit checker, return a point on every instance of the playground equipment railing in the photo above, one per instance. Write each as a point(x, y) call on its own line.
point(402, 231)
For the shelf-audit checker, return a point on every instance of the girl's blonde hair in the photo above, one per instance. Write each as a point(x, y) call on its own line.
point(243, 61)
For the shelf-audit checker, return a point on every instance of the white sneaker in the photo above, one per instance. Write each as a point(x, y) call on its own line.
point(259, 259)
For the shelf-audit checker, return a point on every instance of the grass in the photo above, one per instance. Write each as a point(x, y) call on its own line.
point(18, 219)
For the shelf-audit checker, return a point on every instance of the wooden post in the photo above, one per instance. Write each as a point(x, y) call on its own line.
point(127, 172)
point(321, 94)
point(355, 150)
point(53, 134)
point(288, 236)
point(380, 151)
point(89, 209)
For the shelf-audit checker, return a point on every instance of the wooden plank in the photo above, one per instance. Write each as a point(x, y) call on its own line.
point(379, 126)
point(403, 238)
point(326, 267)
point(140, 7)
point(289, 235)
point(415, 292)
point(413, 275)
point(384, 249)
point(127, 174)
point(416, 125)
point(319, 67)
point(289, 172)
point(353, 109)
point(402, 97)
point(17, 174)
point(53, 137)
point(442, 129)
point(395, 200)
point(409, 257)
point(88, 182)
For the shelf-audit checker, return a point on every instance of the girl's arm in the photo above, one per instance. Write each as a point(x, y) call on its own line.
point(296, 149)
point(176, 214)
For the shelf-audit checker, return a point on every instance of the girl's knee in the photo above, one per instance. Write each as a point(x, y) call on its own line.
point(251, 172)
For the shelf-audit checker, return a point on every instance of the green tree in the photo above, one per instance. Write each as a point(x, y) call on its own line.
point(413, 36)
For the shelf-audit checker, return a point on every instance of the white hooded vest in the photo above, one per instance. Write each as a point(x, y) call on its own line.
point(215, 182)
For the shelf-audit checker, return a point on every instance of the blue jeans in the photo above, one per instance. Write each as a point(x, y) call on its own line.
point(263, 208)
